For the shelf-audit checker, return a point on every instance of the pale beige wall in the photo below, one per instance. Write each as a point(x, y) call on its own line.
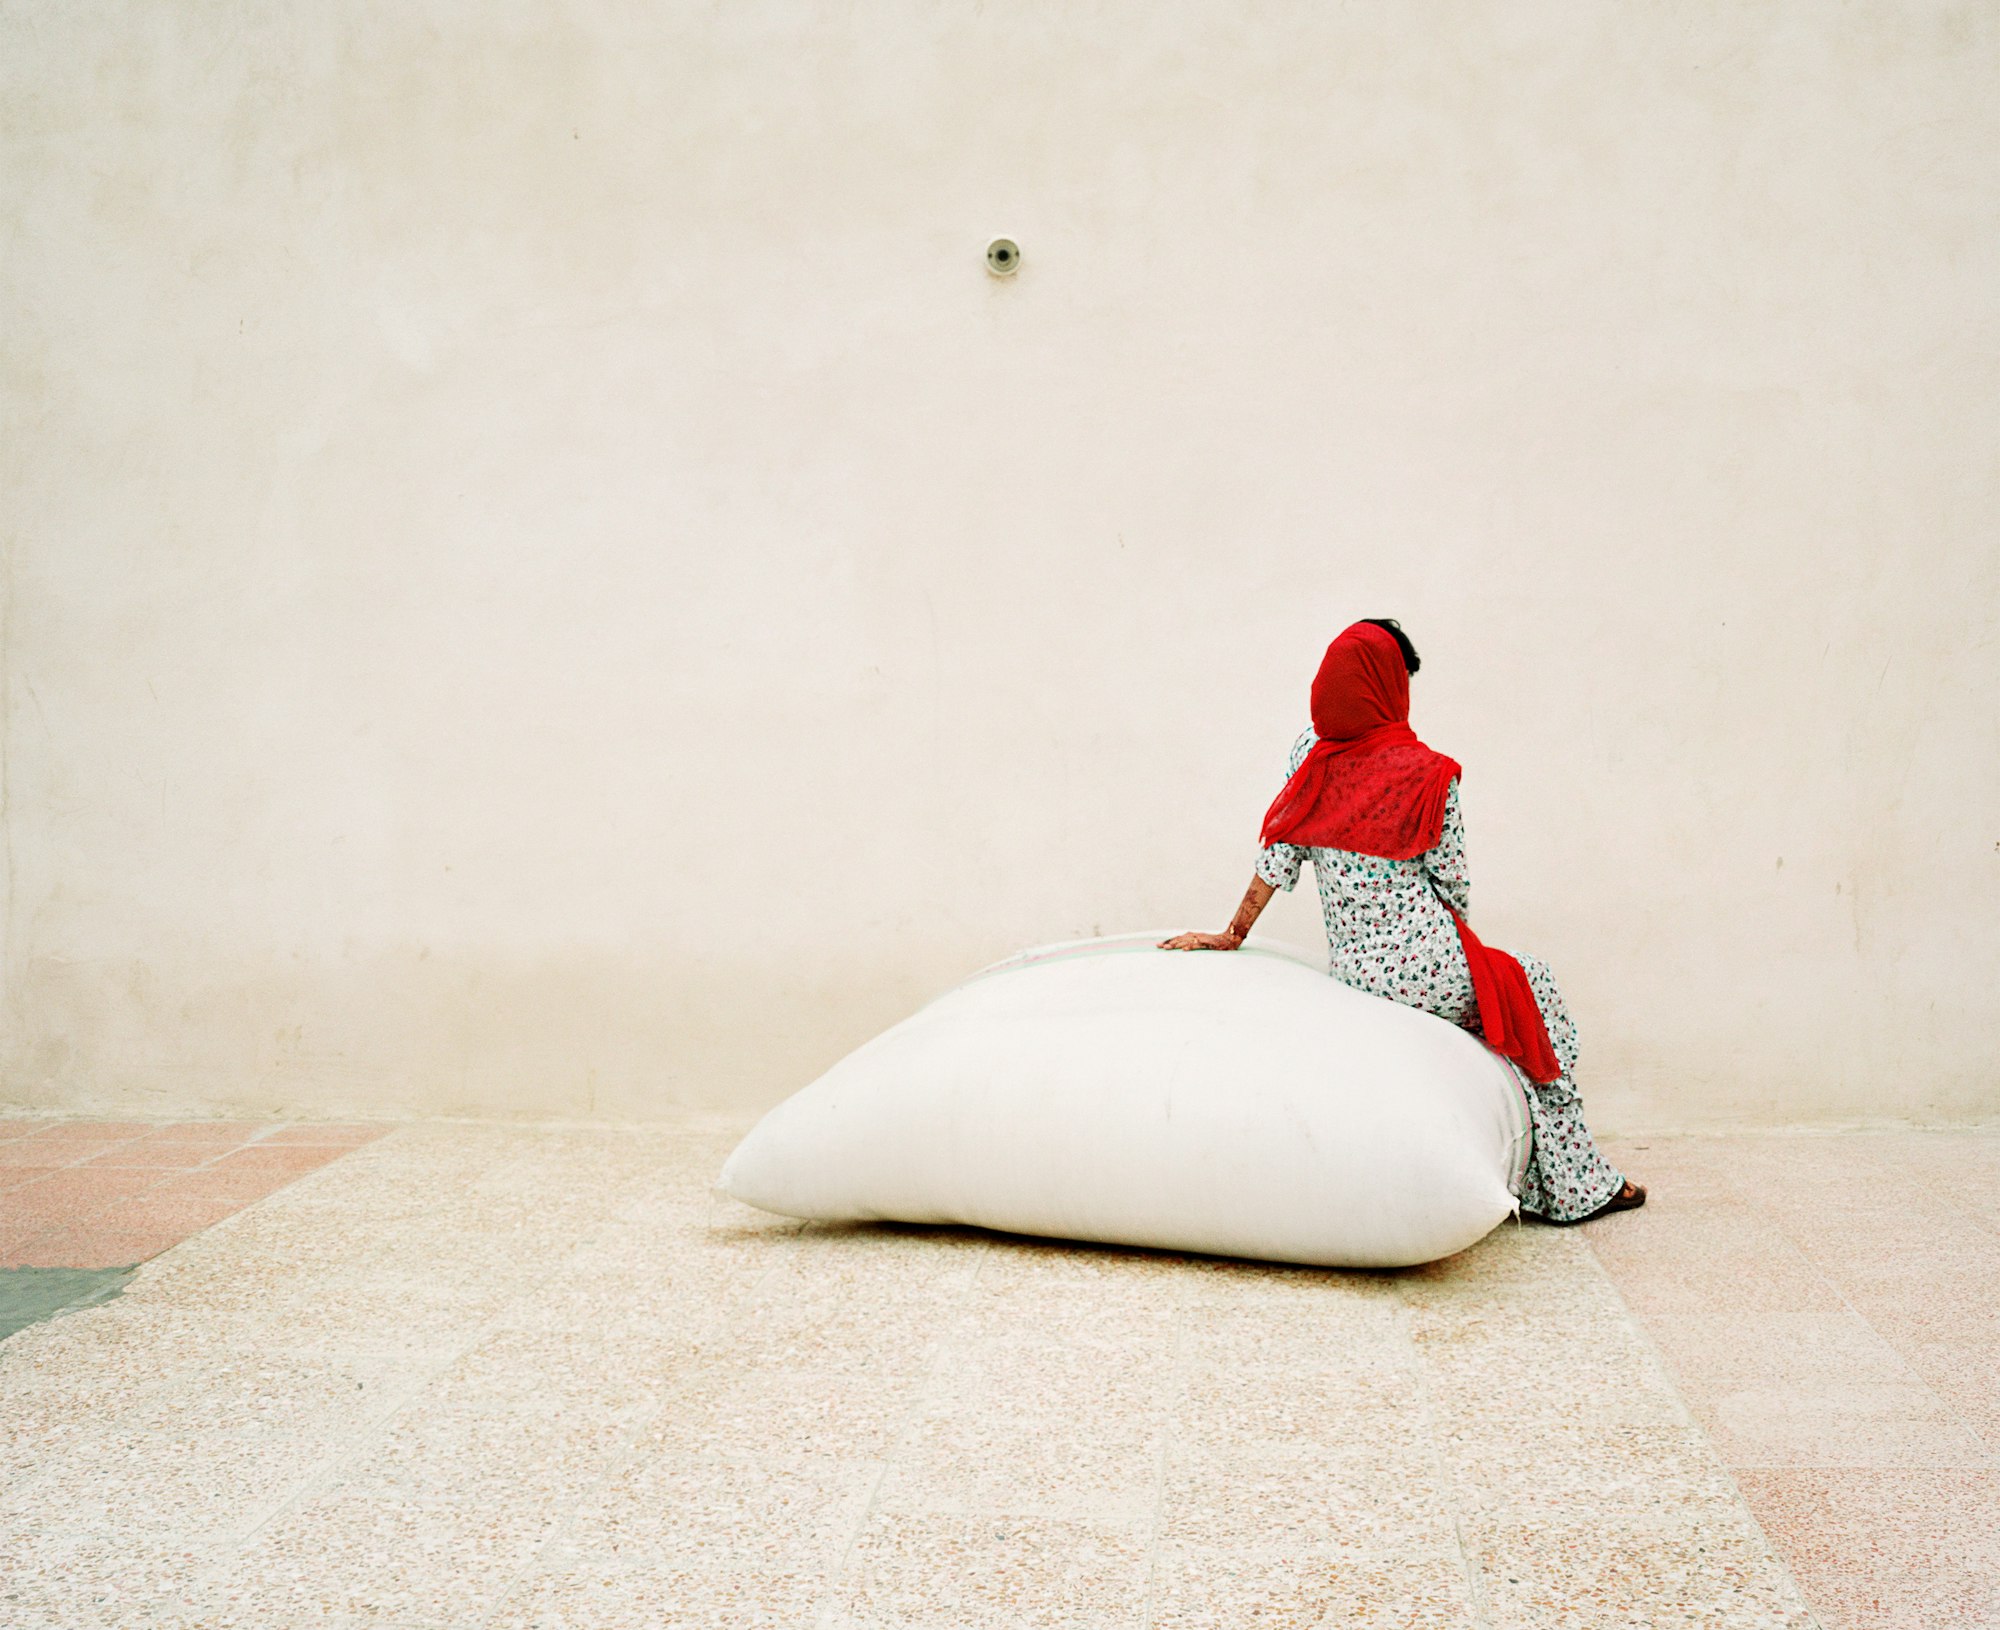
point(542, 575)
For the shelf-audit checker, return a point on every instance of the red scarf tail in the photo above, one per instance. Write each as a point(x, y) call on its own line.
point(1510, 1019)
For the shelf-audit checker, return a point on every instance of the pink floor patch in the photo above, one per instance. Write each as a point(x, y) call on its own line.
point(106, 1194)
point(1827, 1306)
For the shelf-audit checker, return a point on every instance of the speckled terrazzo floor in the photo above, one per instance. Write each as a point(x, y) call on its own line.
point(106, 1194)
point(1829, 1306)
point(477, 1376)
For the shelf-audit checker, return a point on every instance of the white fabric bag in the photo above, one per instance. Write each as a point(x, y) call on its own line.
point(1239, 1103)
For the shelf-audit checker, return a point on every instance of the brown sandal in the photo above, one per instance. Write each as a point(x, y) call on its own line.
point(1628, 1198)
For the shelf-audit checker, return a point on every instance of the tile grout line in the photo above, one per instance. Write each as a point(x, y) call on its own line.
point(328, 1469)
point(1468, 1560)
point(158, 1384)
point(80, 1162)
point(622, 1453)
point(828, 1607)
point(1950, 1412)
point(550, 1578)
point(292, 1179)
point(164, 1175)
point(1176, 1394)
point(1988, 1225)
point(1643, 1338)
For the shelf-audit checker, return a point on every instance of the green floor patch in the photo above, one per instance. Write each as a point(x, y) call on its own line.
point(30, 1295)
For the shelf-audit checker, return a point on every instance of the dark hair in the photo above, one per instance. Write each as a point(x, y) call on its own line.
point(1411, 660)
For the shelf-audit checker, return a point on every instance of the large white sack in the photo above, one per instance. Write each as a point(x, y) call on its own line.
point(1240, 1103)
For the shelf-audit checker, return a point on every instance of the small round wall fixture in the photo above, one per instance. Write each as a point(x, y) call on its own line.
point(1003, 257)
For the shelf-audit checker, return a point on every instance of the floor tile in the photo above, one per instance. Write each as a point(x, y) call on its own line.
point(74, 1193)
point(967, 1571)
point(1728, 1259)
point(87, 1246)
point(47, 1151)
point(1225, 1588)
point(1956, 1353)
point(14, 1178)
point(1864, 1436)
point(1031, 1463)
point(266, 1156)
point(544, 1372)
point(167, 1154)
point(570, 1591)
point(1812, 1390)
point(797, 1518)
point(343, 1134)
point(1887, 1550)
point(123, 1201)
point(13, 1241)
point(1370, 1495)
point(1333, 1333)
point(97, 1131)
point(771, 1416)
point(152, 1213)
point(1609, 1576)
point(243, 1187)
point(1251, 1413)
point(224, 1132)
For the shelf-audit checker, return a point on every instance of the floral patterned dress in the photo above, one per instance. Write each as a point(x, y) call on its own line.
point(1389, 933)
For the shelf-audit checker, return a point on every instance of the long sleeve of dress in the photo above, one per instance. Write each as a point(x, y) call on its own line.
point(1279, 863)
point(1450, 874)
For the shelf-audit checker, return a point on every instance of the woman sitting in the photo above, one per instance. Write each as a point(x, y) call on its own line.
point(1377, 812)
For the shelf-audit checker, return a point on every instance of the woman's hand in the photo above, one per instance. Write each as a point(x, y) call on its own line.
point(1254, 901)
point(1202, 942)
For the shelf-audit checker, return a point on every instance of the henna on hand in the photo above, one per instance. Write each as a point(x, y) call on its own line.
point(1255, 898)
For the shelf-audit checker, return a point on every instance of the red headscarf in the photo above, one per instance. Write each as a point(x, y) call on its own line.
point(1370, 787)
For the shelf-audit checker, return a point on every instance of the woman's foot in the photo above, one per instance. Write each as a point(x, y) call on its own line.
point(1631, 1195)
